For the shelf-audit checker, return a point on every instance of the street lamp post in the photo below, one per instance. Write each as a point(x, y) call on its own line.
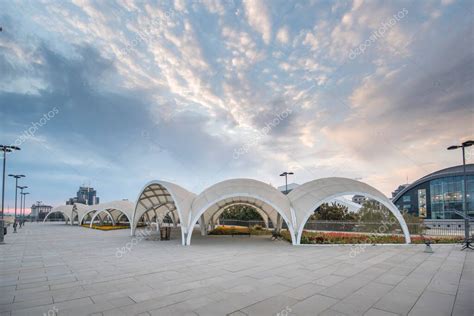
point(16, 176)
point(286, 174)
point(6, 149)
point(24, 205)
point(467, 241)
point(279, 219)
point(21, 201)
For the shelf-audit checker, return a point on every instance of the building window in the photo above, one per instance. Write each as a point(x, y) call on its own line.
point(447, 196)
point(422, 203)
point(406, 199)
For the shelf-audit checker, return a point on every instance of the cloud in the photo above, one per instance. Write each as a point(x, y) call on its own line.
point(259, 18)
point(282, 35)
point(168, 90)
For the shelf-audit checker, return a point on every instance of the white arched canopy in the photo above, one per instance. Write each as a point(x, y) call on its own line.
point(90, 212)
point(162, 197)
point(114, 210)
point(235, 191)
point(81, 210)
point(66, 210)
point(306, 198)
point(215, 217)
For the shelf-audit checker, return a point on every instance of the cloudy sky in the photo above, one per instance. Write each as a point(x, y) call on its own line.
point(195, 92)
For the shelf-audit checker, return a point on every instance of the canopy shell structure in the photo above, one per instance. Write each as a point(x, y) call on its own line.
point(309, 196)
point(78, 212)
point(161, 198)
point(66, 210)
point(157, 199)
point(262, 196)
point(114, 210)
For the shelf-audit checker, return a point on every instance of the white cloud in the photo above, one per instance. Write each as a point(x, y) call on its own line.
point(283, 35)
point(311, 41)
point(259, 18)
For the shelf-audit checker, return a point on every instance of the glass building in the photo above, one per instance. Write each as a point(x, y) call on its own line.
point(85, 195)
point(438, 195)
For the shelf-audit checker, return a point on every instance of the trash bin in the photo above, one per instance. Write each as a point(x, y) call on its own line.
point(165, 233)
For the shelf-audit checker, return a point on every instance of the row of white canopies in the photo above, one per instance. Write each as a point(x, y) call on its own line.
point(159, 199)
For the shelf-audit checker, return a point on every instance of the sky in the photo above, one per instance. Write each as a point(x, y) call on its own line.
point(116, 94)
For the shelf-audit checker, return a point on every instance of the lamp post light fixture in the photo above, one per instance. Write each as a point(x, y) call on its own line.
point(6, 149)
point(467, 241)
point(286, 174)
point(21, 200)
point(16, 176)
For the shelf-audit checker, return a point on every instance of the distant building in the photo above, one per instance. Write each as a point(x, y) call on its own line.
point(39, 211)
point(439, 195)
point(85, 195)
point(359, 199)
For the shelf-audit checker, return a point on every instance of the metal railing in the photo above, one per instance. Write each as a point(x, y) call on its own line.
point(428, 227)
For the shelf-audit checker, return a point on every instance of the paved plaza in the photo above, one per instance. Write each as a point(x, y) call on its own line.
point(54, 269)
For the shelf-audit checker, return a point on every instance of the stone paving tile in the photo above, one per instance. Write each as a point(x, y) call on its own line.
point(304, 291)
point(432, 303)
point(312, 305)
point(329, 280)
point(378, 312)
point(361, 301)
point(81, 275)
point(389, 278)
point(397, 301)
point(271, 306)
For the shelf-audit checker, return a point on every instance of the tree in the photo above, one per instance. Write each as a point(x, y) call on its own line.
point(373, 211)
point(242, 213)
point(333, 212)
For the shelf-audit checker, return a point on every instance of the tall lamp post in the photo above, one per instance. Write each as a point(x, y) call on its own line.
point(16, 176)
point(279, 220)
point(467, 239)
point(6, 149)
point(286, 174)
point(21, 200)
point(24, 204)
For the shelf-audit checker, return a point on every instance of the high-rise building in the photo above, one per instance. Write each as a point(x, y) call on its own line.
point(85, 195)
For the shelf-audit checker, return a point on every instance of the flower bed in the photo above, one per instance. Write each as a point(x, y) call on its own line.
point(107, 227)
point(351, 238)
point(236, 230)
